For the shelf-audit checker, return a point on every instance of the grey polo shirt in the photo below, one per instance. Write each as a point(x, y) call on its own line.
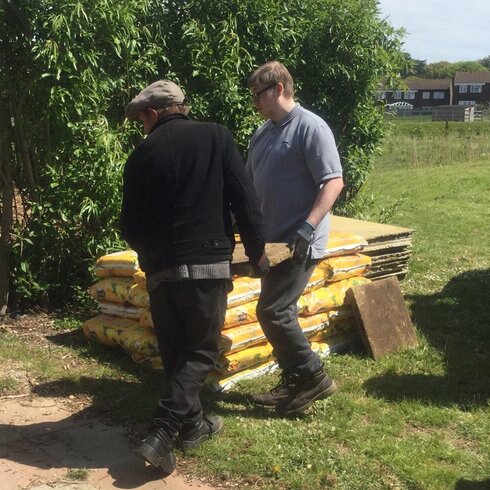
point(288, 162)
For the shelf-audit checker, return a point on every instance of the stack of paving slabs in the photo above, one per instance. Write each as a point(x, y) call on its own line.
point(124, 317)
point(388, 246)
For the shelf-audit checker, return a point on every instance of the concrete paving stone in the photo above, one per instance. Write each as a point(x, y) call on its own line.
point(63, 486)
point(44, 441)
point(37, 416)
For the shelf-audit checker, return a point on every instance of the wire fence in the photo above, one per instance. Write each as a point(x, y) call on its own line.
point(426, 113)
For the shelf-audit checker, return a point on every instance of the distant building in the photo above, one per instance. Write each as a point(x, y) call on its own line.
point(422, 93)
point(467, 89)
point(472, 88)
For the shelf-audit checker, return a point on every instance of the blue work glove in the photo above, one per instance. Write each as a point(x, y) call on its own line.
point(301, 242)
point(261, 268)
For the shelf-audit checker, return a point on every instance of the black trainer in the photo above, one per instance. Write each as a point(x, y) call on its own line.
point(280, 393)
point(192, 435)
point(157, 449)
point(307, 390)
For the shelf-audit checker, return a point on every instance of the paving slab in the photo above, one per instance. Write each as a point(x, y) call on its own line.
point(41, 441)
point(382, 316)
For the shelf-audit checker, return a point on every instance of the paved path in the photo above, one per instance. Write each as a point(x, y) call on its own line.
point(41, 441)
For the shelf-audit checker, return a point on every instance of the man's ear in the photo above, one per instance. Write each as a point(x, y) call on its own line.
point(152, 113)
point(280, 88)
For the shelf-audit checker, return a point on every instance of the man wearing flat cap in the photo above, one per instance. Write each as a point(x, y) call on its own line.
point(181, 184)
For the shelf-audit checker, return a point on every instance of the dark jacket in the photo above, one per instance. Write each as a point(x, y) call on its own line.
point(180, 184)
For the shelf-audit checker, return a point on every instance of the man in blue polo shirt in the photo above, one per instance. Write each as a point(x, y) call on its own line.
point(295, 167)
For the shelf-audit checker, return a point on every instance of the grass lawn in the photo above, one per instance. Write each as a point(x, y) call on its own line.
point(418, 419)
point(414, 143)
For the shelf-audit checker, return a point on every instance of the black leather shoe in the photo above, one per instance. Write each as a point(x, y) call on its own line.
point(192, 435)
point(157, 449)
point(307, 390)
point(280, 393)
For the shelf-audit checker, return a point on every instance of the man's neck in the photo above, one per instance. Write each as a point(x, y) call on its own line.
point(284, 107)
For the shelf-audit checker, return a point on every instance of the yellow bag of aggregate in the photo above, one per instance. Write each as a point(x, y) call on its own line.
point(245, 289)
point(240, 315)
point(333, 344)
point(106, 329)
point(122, 332)
point(328, 297)
point(244, 359)
point(342, 243)
point(114, 289)
point(140, 340)
point(317, 280)
point(154, 362)
point(138, 296)
point(219, 382)
point(241, 337)
point(140, 278)
point(335, 329)
point(244, 336)
point(123, 264)
point(314, 323)
point(119, 310)
point(145, 317)
point(344, 266)
point(339, 314)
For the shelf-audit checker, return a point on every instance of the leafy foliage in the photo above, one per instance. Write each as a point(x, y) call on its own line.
point(351, 67)
point(68, 67)
point(78, 61)
point(444, 69)
point(485, 62)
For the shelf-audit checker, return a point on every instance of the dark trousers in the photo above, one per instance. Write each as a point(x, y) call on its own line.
point(188, 317)
point(278, 316)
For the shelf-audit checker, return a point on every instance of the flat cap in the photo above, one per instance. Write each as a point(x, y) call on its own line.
point(162, 93)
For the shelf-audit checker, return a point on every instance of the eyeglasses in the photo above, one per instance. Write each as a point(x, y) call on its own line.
point(256, 95)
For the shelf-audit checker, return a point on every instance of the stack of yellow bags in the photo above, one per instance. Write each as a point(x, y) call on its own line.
point(125, 320)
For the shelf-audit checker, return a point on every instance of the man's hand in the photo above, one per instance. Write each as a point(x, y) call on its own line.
point(261, 268)
point(301, 242)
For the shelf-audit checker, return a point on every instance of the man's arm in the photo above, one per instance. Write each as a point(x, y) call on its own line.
point(323, 204)
point(131, 214)
point(325, 200)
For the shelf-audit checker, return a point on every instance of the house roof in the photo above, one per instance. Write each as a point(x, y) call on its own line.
point(472, 77)
point(428, 83)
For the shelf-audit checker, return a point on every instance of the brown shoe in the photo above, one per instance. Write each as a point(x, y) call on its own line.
point(280, 393)
point(307, 390)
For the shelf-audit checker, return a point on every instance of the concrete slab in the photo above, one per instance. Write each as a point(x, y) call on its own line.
point(382, 316)
point(41, 440)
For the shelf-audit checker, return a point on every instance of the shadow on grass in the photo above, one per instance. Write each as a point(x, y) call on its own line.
point(114, 400)
point(472, 485)
point(455, 321)
point(127, 391)
point(131, 391)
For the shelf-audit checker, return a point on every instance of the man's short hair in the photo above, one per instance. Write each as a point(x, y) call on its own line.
point(272, 72)
point(159, 95)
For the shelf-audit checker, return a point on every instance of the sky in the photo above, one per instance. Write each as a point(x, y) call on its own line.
point(441, 30)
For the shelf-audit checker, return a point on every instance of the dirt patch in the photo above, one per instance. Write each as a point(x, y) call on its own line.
point(35, 327)
point(36, 330)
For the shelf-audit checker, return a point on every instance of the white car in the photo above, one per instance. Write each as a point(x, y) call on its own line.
point(400, 105)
